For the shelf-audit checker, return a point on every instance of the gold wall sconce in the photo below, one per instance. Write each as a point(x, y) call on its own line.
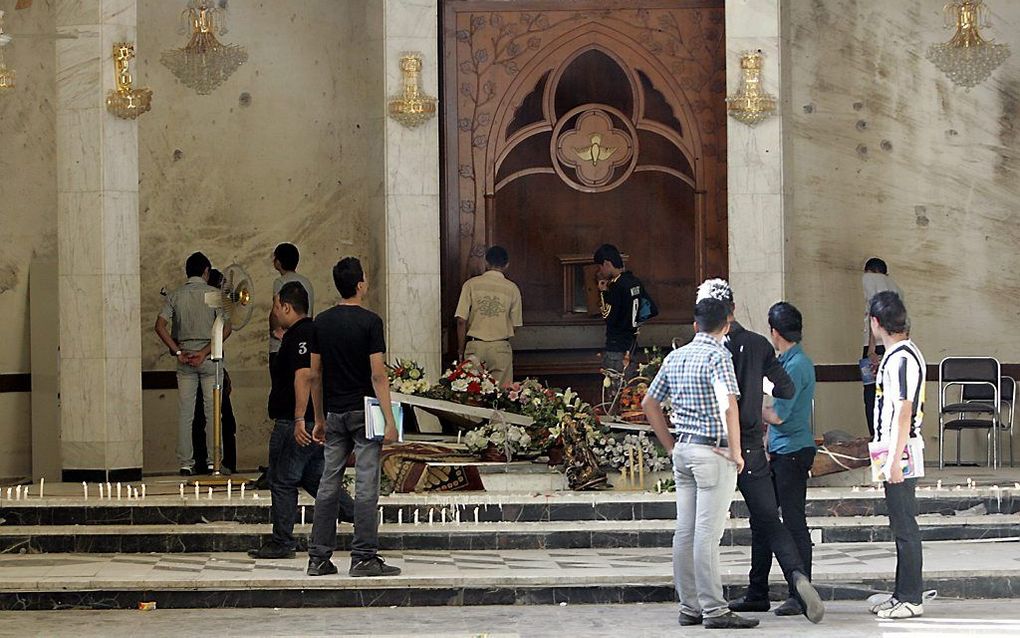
point(967, 59)
point(751, 104)
point(412, 107)
point(125, 101)
point(7, 76)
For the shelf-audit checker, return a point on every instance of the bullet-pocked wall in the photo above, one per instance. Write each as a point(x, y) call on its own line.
point(289, 148)
point(890, 159)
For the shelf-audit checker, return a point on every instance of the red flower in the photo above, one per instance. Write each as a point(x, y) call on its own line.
point(474, 387)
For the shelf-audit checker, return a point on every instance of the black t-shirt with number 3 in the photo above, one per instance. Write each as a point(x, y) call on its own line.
point(296, 350)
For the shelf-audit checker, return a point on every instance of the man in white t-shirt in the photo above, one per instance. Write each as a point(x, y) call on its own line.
point(875, 280)
point(899, 411)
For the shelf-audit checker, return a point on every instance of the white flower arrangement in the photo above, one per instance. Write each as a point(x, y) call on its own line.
point(408, 377)
point(501, 436)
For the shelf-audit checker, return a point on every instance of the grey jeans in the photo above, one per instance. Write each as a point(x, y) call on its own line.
point(705, 483)
point(189, 380)
point(346, 433)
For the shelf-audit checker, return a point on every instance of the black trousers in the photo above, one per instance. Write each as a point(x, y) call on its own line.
point(789, 479)
point(228, 427)
point(869, 394)
point(901, 501)
point(768, 534)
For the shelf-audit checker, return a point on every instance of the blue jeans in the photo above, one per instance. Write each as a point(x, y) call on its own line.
point(290, 467)
point(346, 433)
point(705, 483)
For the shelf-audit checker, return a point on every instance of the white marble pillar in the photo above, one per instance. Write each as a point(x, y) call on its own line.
point(412, 194)
point(97, 234)
point(755, 160)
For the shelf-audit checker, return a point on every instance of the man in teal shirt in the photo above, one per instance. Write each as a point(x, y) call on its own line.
point(790, 442)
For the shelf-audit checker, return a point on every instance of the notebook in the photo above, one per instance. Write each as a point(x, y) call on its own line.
point(375, 423)
point(912, 460)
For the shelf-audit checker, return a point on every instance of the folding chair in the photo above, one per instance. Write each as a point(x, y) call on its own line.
point(977, 380)
point(1007, 396)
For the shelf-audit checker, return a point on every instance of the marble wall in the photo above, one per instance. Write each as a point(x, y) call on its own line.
point(28, 206)
point(289, 148)
point(889, 158)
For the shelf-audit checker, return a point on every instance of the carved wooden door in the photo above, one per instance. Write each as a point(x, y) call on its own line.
point(572, 123)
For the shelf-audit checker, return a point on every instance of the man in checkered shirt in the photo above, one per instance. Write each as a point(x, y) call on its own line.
point(701, 385)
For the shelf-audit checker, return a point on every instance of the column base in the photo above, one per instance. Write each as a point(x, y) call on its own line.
point(124, 475)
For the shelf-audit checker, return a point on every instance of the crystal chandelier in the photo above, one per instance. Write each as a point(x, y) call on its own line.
point(6, 75)
point(751, 104)
point(968, 59)
point(413, 106)
point(204, 63)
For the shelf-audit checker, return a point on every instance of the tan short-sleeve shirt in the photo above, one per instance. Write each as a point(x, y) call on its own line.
point(190, 318)
point(491, 305)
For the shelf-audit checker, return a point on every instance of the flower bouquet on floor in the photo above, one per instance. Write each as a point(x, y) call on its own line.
point(498, 441)
point(469, 383)
point(408, 377)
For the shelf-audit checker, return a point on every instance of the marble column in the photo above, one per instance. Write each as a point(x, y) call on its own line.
point(412, 194)
point(755, 158)
point(97, 236)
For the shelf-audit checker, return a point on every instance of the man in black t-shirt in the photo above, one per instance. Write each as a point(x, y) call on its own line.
point(620, 294)
point(294, 461)
point(352, 350)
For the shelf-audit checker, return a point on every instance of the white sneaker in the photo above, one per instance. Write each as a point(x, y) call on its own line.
point(902, 610)
point(883, 604)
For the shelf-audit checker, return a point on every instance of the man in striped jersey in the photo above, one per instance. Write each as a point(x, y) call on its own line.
point(899, 410)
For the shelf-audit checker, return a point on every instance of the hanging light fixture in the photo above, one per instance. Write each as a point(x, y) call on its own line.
point(126, 102)
point(204, 63)
point(968, 59)
point(6, 75)
point(751, 104)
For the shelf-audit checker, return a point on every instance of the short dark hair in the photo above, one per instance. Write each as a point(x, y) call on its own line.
point(711, 314)
point(294, 293)
point(287, 255)
point(785, 319)
point(497, 257)
point(196, 265)
point(347, 274)
point(888, 308)
point(215, 278)
point(876, 265)
point(610, 253)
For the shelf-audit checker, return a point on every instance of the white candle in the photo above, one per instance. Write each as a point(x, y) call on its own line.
point(136, 493)
point(118, 490)
point(210, 493)
point(302, 514)
point(416, 521)
point(380, 516)
point(255, 496)
point(42, 487)
point(85, 490)
point(938, 484)
point(27, 487)
point(243, 485)
point(143, 490)
point(182, 490)
point(17, 493)
point(431, 513)
point(443, 516)
point(129, 492)
point(230, 489)
point(109, 490)
point(100, 491)
point(476, 515)
point(197, 493)
point(456, 515)
point(400, 517)
point(458, 437)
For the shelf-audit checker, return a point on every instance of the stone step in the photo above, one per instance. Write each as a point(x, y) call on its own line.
point(239, 537)
point(516, 507)
point(591, 576)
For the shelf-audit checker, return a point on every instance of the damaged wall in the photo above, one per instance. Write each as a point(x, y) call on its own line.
point(891, 159)
point(287, 149)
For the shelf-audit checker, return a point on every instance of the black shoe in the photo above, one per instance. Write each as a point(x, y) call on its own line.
point(687, 620)
point(320, 567)
point(271, 550)
point(262, 482)
point(730, 620)
point(791, 607)
point(814, 609)
point(187, 471)
point(374, 566)
point(746, 604)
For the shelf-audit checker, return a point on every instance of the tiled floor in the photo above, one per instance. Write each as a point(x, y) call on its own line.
point(832, 563)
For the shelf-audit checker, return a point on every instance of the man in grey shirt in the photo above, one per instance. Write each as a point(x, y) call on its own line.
point(285, 261)
point(191, 321)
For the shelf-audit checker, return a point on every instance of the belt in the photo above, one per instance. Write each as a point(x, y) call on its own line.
point(698, 439)
point(470, 339)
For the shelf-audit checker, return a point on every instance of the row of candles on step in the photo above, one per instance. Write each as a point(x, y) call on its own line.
point(971, 485)
point(132, 492)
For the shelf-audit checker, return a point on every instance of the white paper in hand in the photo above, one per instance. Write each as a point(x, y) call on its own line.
point(766, 386)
